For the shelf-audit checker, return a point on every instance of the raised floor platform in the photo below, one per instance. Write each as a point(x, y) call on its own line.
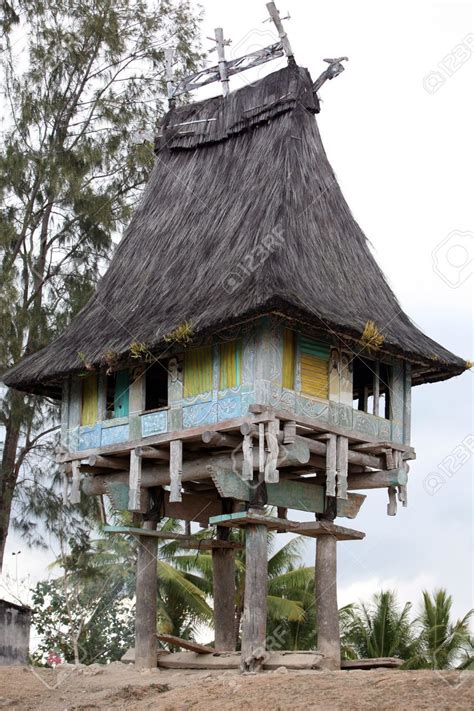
point(313, 529)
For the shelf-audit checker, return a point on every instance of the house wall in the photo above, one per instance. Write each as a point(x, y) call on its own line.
point(261, 382)
point(14, 633)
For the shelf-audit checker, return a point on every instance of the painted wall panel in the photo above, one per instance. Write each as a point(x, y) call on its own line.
point(154, 423)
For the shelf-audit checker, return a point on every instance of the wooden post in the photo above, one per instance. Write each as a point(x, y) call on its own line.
point(176, 469)
point(327, 618)
point(220, 43)
point(145, 614)
point(223, 572)
point(254, 620)
point(170, 88)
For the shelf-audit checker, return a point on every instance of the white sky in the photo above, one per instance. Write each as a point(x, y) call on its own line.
point(403, 156)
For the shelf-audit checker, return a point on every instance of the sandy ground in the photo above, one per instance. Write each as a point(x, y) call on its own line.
point(120, 687)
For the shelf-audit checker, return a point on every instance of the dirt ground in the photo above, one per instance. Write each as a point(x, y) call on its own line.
point(120, 687)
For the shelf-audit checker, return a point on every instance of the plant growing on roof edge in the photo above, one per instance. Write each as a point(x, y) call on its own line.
point(371, 336)
point(88, 365)
point(140, 351)
point(181, 334)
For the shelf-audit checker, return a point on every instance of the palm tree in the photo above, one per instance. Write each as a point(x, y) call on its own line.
point(443, 644)
point(290, 600)
point(378, 629)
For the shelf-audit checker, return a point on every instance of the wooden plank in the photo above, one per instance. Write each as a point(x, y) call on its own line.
point(271, 473)
point(176, 470)
point(198, 543)
point(75, 495)
point(331, 465)
point(380, 447)
point(342, 454)
point(185, 644)
point(261, 447)
point(134, 499)
point(231, 660)
point(299, 495)
point(312, 529)
point(247, 463)
point(193, 433)
point(375, 663)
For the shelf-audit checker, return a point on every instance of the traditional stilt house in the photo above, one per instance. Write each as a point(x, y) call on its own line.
point(243, 350)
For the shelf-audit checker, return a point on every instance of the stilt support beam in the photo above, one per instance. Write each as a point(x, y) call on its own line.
point(223, 571)
point(254, 621)
point(145, 616)
point(326, 601)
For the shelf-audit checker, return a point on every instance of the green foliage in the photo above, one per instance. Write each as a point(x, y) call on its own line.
point(382, 628)
point(79, 79)
point(442, 643)
point(83, 615)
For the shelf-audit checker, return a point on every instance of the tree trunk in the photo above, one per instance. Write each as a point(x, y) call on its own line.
point(9, 473)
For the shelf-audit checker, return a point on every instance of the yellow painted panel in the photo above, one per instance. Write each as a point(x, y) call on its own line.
point(198, 371)
point(90, 400)
point(314, 376)
point(288, 365)
point(230, 364)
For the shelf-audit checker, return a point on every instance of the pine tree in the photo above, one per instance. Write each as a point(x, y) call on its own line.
point(80, 79)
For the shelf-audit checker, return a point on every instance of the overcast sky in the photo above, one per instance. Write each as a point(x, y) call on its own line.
point(397, 128)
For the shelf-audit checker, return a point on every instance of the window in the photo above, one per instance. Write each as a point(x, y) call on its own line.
point(371, 392)
point(230, 364)
point(288, 364)
point(117, 394)
point(314, 360)
point(197, 371)
point(156, 386)
point(90, 400)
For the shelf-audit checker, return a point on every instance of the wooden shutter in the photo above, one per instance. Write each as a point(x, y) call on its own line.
point(122, 383)
point(90, 400)
point(230, 364)
point(198, 371)
point(288, 364)
point(314, 368)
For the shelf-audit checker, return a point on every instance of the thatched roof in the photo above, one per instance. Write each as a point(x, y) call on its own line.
point(249, 166)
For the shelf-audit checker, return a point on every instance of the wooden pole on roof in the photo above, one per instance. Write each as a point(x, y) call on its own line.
point(275, 16)
point(220, 44)
point(169, 55)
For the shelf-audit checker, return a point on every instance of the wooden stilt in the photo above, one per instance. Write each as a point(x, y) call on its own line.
point(254, 621)
point(327, 617)
point(145, 615)
point(223, 571)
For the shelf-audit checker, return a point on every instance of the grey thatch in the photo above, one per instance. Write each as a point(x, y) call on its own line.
point(248, 165)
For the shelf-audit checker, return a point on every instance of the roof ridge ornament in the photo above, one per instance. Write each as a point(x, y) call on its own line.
point(226, 68)
point(335, 68)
